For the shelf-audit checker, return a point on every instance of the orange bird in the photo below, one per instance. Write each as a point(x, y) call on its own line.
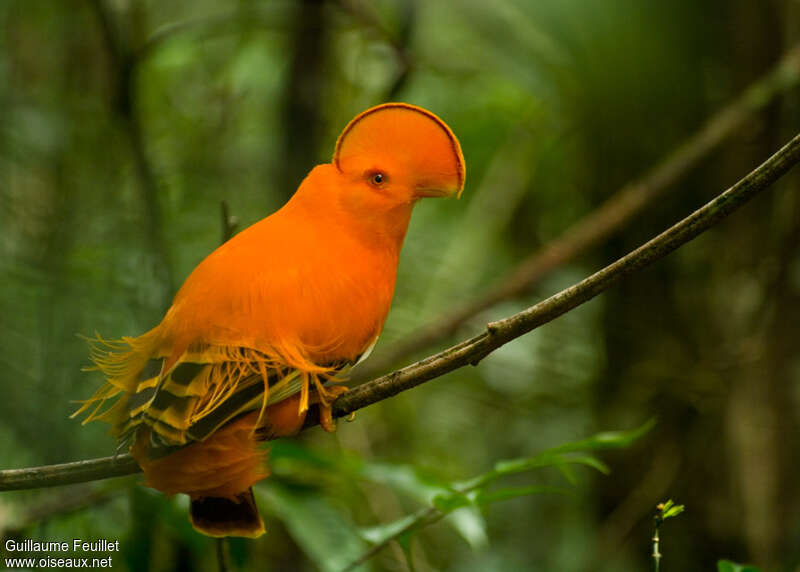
point(272, 319)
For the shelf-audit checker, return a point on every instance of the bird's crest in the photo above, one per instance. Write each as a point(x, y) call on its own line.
point(427, 142)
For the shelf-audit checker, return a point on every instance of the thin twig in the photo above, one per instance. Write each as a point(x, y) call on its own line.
point(664, 510)
point(230, 222)
point(498, 333)
point(655, 482)
point(656, 554)
point(223, 554)
point(606, 219)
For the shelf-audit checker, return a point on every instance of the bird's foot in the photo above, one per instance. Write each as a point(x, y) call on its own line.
point(326, 398)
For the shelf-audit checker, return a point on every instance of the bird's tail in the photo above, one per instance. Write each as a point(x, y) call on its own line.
point(218, 516)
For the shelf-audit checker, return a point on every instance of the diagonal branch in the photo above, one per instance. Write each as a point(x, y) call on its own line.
point(609, 217)
point(498, 333)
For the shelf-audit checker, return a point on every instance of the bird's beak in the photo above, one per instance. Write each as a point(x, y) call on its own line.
point(437, 191)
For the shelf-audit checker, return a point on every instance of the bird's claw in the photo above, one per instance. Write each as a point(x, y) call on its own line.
point(326, 420)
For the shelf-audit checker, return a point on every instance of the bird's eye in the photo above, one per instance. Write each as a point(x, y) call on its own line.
point(377, 179)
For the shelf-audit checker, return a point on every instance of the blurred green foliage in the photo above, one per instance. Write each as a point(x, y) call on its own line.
point(118, 142)
point(728, 566)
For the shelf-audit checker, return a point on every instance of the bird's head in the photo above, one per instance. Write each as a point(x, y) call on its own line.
point(396, 153)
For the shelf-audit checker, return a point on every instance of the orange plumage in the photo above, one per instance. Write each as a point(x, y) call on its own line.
point(266, 322)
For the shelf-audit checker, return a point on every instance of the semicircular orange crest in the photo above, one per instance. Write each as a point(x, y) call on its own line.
point(412, 133)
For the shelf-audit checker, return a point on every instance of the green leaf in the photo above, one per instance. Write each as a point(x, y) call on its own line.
point(672, 509)
point(382, 532)
point(406, 542)
point(426, 489)
point(463, 516)
point(568, 473)
point(607, 440)
point(485, 497)
point(546, 459)
point(447, 503)
point(728, 566)
point(589, 461)
point(668, 509)
point(405, 478)
point(459, 500)
point(471, 525)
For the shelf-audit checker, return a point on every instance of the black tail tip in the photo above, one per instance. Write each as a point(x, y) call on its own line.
point(217, 516)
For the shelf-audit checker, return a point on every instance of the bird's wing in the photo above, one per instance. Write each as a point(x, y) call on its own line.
point(203, 390)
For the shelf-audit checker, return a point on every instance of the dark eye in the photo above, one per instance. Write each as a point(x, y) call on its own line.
point(377, 179)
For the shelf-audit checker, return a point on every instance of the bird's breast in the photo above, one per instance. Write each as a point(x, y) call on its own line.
point(327, 299)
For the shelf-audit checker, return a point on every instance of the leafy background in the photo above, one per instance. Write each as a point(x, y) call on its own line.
point(125, 123)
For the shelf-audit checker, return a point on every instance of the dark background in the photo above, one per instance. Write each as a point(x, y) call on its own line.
point(124, 124)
